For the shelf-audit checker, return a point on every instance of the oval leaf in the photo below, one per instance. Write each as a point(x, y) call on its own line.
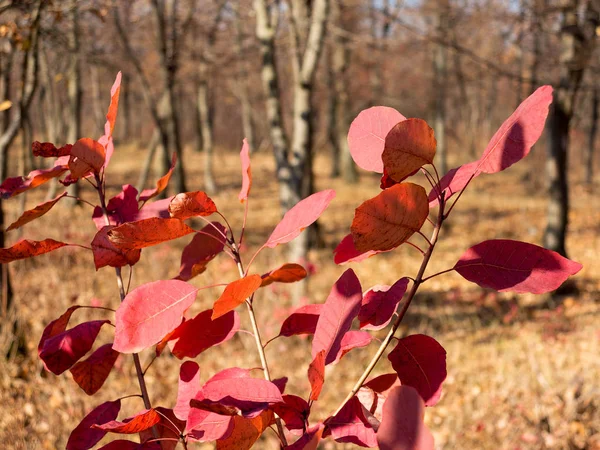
point(57, 326)
point(139, 422)
point(389, 219)
point(302, 321)
point(189, 385)
point(408, 146)
point(340, 308)
point(245, 432)
point(191, 204)
point(91, 373)
point(402, 426)
point(108, 254)
point(87, 155)
point(26, 248)
point(352, 340)
point(299, 217)
point(420, 362)
point(83, 437)
point(249, 395)
point(346, 252)
point(366, 137)
point(150, 312)
point(235, 294)
point(514, 266)
point(148, 232)
point(287, 273)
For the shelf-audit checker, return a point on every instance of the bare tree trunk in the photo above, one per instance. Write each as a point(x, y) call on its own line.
point(125, 108)
point(577, 41)
point(152, 146)
point(99, 114)
point(205, 132)
point(439, 85)
point(589, 163)
point(332, 134)
point(74, 92)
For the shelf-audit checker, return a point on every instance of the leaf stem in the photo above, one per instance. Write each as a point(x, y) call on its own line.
point(416, 283)
point(436, 274)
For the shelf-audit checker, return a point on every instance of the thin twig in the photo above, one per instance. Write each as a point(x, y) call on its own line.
point(415, 247)
point(436, 274)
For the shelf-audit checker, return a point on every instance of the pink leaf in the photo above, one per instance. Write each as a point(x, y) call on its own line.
point(379, 304)
point(246, 172)
point(351, 425)
point(294, 411)
point(140, 422)
point(513, 266)
point(189, 385)
point(60, 352)
point(511, 143)
point(201, 333)
point(352, 340)
point(302, 321)
point(201, 250)
point(372, 395)
point(91, 373)
point(340, 308)
point(204, 426)
point(309, 440)
point(121, 208)
point(83, 437)
point(158, 208)
point(150, 312)
point(302, 215)
point(402, 426)
point(57, 326)
point(346, 252)
point(366, 137)
point(420, 362)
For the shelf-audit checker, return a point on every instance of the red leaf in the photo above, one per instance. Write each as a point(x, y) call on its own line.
point(379, 304)
point(408, 146)
point(83, 437)
point(389, 219)
point(402, 426)
point(60, 352)
point(201, 250)
point(189, 385)
point(294, 411)
point(111, 115)
point(140, 422)
point(17, 185)
point(122, 444)
point(49, 150)
point(87, 155)
point(316, 375)
point(346, 252)
point(108, 254)
point(201, 333)
point(35, 213)
point(121, 208)
point(340, 308)
point(235, 294)
point(287, 273)
point(309, 440)
point(382, 383)
point(191, 204)
point(206, 426)
point(161, 184)
point(246, 172)
point(366, 137)
point(352, 340)
point(57, 326)
point(169, 429)
point(245, 432)
point(150, 312)
point(302, 321)
point(351, 425)
point(513, 266)
point(420, 362)
point(299, 217)
point(26, 248)
point(91, 373)
point(372, 395)
point(511, 143)
point(148, 232)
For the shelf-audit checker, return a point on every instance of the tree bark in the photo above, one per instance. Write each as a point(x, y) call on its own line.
point(205, 133)
point(439, 85)
point(577, 42)
point(589, 161)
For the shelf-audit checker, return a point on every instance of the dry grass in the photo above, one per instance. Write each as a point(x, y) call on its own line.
point(523, 371)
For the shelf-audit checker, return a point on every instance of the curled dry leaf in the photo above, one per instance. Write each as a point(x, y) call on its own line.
point(389, 219)
point(108, 254)
point(161, 184)
point(49, 150)
point(235, 294)
point(191, 204)
point(408, 146)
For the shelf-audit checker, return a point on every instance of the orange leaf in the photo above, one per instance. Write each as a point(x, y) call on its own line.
point(135, 424)
point(111, 115)
point(388, 220)
point(245, 432)
point(87, 155)
point(34, 213)
point(408, 146)
point(26, 248)
point(246, 172)
point(234, 294)
point(316, 375)
point(147, 232)
point(161, 184)
point(190, 204)
point(288, 273)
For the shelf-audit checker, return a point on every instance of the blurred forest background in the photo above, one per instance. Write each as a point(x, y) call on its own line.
point(290, 76)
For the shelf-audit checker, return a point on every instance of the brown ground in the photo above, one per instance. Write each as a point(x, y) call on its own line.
point(524, 371)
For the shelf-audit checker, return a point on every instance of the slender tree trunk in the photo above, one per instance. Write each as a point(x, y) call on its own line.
point(74, 92)
point(99, 114)
point(439, 86)
point(206, 133)
point(332, 134)
point(152, 146)
point(589, 162)
point(125, 108)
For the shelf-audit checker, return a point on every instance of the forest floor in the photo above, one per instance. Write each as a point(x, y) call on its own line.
point(523, 370)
